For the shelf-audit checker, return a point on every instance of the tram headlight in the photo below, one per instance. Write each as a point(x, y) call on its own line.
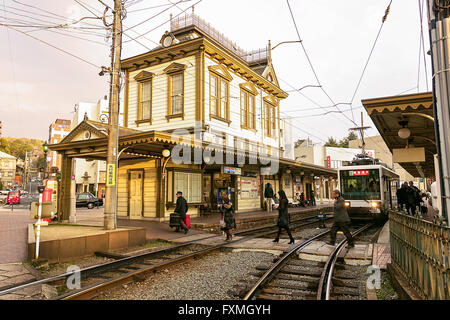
point(347, 203)
point(374, 204)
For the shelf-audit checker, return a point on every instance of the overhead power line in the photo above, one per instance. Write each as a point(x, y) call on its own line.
point(311, 65)
point(383, 20)
point(53, 46)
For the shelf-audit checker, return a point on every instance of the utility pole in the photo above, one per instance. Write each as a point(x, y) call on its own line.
point(110, 218)
point(439, 31)
point(361, 130)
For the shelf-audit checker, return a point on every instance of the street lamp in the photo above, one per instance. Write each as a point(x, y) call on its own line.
point(45, 148)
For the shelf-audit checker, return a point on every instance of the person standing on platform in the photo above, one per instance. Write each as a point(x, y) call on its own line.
point(402, 196)
point(283, 216)
point(181, 208)
point(313, 198)
point(341, 220)
point(268, 195)
point(411, 199)
point(227, 211)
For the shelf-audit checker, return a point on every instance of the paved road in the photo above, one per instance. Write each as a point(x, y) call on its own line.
point(13, 235)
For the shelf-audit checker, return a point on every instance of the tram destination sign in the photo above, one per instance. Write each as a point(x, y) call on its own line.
point(359, 173)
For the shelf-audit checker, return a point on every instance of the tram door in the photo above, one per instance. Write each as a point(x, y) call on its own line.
point(135, 194)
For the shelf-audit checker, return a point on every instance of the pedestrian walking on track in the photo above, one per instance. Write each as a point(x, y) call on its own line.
point(227, 220)
point(283, 216)
point(341, 220)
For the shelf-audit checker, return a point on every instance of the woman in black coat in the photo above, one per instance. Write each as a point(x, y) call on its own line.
point(227, 210)
point(283, 216)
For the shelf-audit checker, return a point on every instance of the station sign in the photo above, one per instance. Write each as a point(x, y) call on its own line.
point(232, 170)
point(359, 173)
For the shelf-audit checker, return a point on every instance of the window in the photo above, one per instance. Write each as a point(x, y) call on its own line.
point(271, 123)
point(360, 184)
point(144, 100)
point(219, 98)
point(190, 184)
point(176, 82)
point(145, 103)
point(248, 116)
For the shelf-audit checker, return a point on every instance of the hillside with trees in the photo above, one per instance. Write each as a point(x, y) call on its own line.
point(18, 146)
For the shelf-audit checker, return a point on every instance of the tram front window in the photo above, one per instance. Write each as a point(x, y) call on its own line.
point(360, 184)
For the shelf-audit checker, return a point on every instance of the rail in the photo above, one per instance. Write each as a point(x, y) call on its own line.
point(124, 263)
point(268, 276)
point(324, 289)
point(420, 251)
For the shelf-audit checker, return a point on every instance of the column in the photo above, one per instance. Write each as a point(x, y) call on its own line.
point(67, 194)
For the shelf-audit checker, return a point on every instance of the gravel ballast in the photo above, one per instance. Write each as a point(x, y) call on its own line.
point(210, 277)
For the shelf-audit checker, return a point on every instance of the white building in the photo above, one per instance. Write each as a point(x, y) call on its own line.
point(90, 174)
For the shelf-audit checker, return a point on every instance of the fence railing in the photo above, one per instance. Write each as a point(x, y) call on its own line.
point(194, 20)
point(420, 249)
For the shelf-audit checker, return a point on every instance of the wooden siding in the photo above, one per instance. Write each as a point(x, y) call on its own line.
point(159, 103)
point(150, 185)
point(234, 128)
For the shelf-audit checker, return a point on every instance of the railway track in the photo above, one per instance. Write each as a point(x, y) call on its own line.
point(99, 278)
point(301, 279)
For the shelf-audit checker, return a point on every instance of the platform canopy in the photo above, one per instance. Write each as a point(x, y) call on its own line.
point(414, 112)
point(90, 138)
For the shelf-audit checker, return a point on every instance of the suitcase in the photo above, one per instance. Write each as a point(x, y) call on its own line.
point(174, 220)
point(187, 221)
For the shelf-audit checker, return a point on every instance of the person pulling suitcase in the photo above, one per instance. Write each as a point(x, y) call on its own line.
point(181, 208)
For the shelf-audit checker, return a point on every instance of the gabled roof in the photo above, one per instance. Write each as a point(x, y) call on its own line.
point(4, 155)
point(99, 129)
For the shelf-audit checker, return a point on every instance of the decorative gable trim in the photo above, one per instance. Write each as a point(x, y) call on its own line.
point(270, 71)
point(221, 71)
point(144, 76)
point(175, 67)
point(249, 86)
point(82, 127)
point(272, 100)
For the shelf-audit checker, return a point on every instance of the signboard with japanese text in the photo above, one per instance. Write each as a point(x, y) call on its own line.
point(111, 175)
point(359, 173)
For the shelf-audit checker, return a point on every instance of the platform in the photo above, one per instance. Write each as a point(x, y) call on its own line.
point(63, 242)
point(360, 255)
point(382, 249)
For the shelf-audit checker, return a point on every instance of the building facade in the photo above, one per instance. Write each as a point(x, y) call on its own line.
point(57, 131)
point(7, 170)
point(89, 173)
point(215, 109)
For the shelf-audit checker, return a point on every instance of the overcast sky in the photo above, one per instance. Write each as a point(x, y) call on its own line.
point(39, 83)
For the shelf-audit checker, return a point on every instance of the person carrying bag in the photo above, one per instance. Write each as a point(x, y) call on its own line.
point(227, 222)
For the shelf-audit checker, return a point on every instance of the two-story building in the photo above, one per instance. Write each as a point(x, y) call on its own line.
point(7, 170)
point(215, 108)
